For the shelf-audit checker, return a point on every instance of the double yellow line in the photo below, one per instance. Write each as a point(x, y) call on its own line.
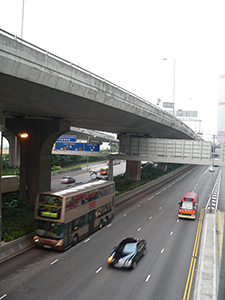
point(188, 286)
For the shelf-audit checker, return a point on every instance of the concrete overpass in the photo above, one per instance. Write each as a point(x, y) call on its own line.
point(80, 133)
point(44, 95)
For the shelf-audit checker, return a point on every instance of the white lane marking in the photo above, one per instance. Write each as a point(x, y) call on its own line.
point(160, 207)
point(178, 220)
point(109, 225)
point(98, 270)
point(125, 215)
point(169, 185)
point(150, 218)
point(158, 193)
point(147, 279)
point(150, 198)
point(53, 262)
point(5, 295)
point(171, 233)
point(164, 189)
point(139, 229)
point(139, 205)
point(87, 240)
point(162, 250)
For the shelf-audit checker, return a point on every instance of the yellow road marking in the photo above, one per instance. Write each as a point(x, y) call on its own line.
point(188, 286)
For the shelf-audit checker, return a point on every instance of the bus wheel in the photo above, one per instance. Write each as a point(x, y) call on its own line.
point(100, 225)
point(75, 239)
point(106, 220)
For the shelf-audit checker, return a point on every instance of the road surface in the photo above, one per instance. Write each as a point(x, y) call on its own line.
point(82, 273)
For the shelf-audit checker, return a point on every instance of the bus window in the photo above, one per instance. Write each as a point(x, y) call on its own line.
point(49, 206)
point(84, 220)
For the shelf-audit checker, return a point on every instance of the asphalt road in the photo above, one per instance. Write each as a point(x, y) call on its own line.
point(82, 273)
point(85, 177)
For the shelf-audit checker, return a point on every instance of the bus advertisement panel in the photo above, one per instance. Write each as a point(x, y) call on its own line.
point(188, 206)
point(62, 218)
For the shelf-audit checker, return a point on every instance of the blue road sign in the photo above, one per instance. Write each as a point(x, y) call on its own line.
point(67, 145)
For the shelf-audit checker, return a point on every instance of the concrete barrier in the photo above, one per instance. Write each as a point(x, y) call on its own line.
point(206, 283)
point(9, 249)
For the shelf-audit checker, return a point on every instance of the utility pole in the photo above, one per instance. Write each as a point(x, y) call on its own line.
point(22, 19)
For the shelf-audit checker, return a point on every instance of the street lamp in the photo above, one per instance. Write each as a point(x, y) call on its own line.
point(23, 135)
point(174, 80)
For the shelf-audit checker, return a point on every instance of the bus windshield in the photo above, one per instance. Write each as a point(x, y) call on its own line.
point(49, 206)
point(49, 229)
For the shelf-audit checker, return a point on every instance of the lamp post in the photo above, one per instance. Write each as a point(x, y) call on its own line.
point(22, 19)
point(174, 80)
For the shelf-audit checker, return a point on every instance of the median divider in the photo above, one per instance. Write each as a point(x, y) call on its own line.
point(207, 277)
point(10, 249)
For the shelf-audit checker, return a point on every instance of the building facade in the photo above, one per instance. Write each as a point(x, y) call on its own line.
point(221, 110)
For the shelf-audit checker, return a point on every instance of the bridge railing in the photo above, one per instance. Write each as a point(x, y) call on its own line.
point(214, 196)
point(24, 42)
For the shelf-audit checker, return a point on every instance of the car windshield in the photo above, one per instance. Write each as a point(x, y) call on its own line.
point(186, 205)
point(129, 248)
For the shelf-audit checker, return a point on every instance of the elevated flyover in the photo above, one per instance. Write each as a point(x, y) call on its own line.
point(44, 95)
point(37, 84)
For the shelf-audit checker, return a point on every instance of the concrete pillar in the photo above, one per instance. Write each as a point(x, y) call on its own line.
point(14, 148)
point(110, 170)
point(35, 159)
point(133, 170)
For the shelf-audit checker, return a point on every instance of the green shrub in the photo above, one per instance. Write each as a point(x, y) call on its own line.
point(56, 168)
point(17, 218)
point(149, 172)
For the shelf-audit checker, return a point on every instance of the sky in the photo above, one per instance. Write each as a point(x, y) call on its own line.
point(126, 42)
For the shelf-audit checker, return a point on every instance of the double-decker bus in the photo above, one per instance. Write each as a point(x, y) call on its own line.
point(62, 218)
point(188, 206)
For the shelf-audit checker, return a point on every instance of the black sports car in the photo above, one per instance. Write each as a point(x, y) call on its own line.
point(127, 253)
point(67, 179)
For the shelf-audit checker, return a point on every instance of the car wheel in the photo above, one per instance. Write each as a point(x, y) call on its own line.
point(106, 220)
point(100, 225)
point(75, 239)
point(144, 252)
point(134, 265)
